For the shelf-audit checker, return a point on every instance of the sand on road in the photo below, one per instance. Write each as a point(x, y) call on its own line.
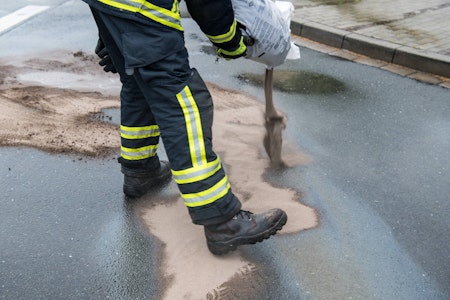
point(55, 104)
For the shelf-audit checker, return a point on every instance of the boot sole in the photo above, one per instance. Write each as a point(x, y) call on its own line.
point(221, 248)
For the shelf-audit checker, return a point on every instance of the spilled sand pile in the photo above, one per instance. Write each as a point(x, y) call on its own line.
point(40, 109)
point(42, 106)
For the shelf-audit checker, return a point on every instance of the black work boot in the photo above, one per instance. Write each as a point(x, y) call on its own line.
point(244, 228)
point(136, 184)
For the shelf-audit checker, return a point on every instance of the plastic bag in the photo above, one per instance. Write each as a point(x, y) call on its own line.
point(268, 24)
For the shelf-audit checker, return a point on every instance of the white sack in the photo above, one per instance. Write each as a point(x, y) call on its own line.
point(268, 23)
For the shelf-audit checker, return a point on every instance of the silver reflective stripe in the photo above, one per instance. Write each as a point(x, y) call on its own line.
point(197, 173)
point(138, 153)
point(156, 13)
point(139, 132)
point(161, 15)
point(193, 127)
point(208, 196)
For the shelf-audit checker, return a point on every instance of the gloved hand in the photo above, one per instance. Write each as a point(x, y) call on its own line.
point(240, 51)
point(106, 61)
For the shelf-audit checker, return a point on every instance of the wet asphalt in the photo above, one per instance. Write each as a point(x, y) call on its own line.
point(67, 233)
point(379, 181)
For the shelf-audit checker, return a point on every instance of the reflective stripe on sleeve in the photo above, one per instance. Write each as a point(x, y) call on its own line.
point(226, 37)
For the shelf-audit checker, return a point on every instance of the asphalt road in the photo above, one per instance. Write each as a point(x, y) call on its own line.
point(379, 180)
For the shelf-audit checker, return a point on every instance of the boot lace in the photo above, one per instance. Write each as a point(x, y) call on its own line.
point(244, 214)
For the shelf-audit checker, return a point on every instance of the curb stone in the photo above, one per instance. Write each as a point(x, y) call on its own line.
point(414, 63)
point(400, 70)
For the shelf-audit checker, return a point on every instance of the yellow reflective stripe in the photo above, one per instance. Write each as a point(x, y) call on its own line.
point(193, 127)
point(175, 7)
point(226, 37)
point(134, 133)
point(241, 49)
point(208, 196)
point(138, 153)
point(197, 173)
point(151, 11)
point(163, 16)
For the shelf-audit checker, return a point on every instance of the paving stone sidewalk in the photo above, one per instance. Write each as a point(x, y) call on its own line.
point(409, 33)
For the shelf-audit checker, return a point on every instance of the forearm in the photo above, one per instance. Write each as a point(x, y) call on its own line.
point(216, 20)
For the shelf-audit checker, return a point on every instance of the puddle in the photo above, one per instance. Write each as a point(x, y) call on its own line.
point(298, 82)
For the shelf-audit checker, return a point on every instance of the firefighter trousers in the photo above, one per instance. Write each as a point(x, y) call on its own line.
point(162, 96)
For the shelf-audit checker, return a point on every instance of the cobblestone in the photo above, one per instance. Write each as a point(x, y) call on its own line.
point(413, 33)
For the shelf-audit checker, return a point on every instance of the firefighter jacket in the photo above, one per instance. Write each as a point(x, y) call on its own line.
point(215, 18)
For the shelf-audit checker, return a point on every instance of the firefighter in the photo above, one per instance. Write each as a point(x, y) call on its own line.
point(162, 96)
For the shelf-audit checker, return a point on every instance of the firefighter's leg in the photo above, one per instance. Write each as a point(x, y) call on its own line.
point(138, 129)
point(184, 111)
point(183, 108)
point(139, 134)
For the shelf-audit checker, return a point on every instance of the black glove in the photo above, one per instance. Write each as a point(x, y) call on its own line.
point(106, 61)
point(241, 49)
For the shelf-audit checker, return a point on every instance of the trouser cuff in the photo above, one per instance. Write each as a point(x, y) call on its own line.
point(131, 167)
point(215, 213)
